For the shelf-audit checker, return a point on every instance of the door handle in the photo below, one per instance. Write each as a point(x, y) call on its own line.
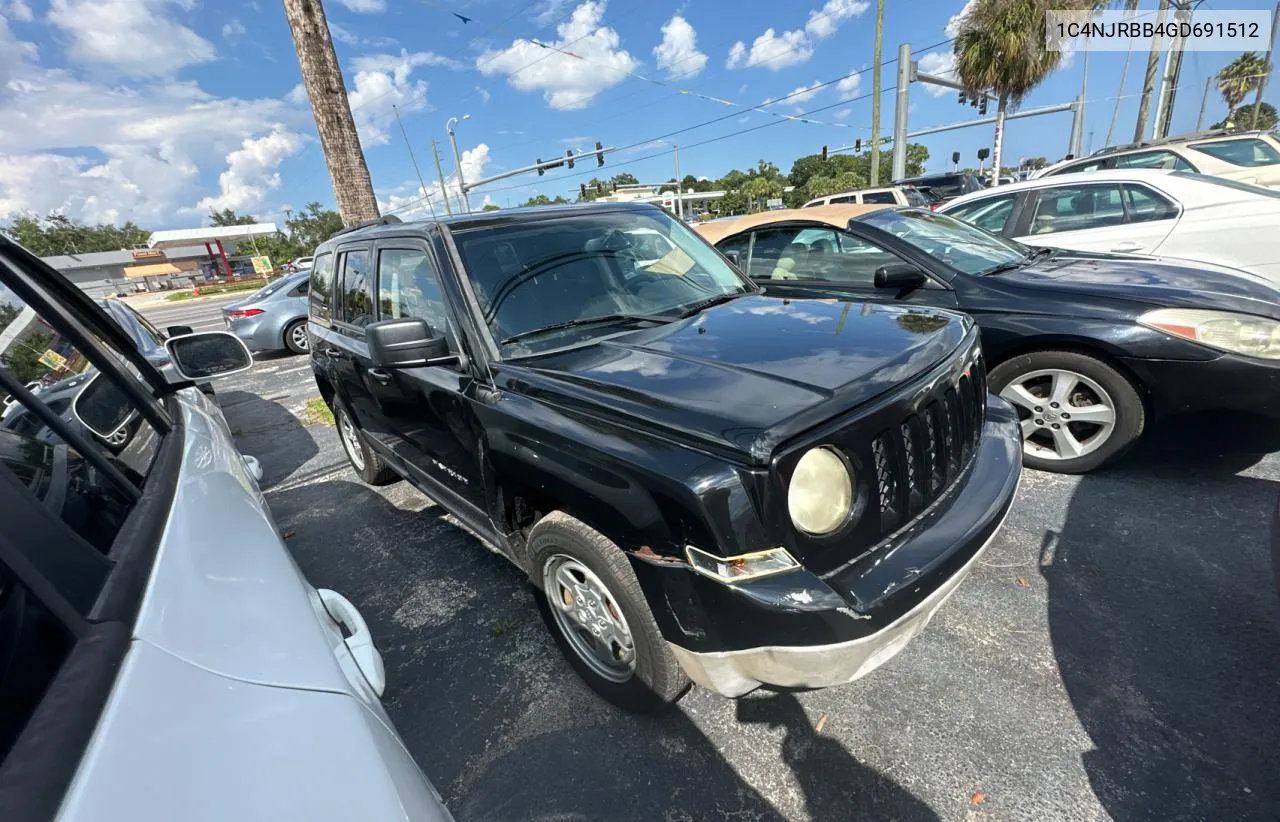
point(332, 353)
point(381, 375)
point(1130, 245)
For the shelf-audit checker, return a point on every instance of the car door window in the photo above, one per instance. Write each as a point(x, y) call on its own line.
point(740, 244)
point(1092, 165)
point(1075, 208)
point(915, 198)
point(875, 197)
point(1145, 205)
point(356, 288)
point(1249, 151)
point(767, 251)
point(320, 286)
point(300, 290)
point(848, 198)
point(991, 213)
point(1153, 159)
point(408, 286)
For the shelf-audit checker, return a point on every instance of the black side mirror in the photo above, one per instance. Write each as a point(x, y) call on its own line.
point(102, 407)
point(734, 257)
point(178, 330)
point(406, 343)
point(208, 354)
point(901, 277)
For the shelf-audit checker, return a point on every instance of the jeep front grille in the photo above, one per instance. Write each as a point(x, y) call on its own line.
point(916, 460)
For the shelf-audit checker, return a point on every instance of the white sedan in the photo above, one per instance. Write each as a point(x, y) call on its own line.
point(1167, 213)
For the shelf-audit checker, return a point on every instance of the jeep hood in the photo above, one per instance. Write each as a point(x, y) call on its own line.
point(746, 375)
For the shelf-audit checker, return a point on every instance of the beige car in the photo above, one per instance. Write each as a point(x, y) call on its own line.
point(890, 195)
point(1245, 156)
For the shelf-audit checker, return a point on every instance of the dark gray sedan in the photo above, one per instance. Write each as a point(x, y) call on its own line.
point(273, 318)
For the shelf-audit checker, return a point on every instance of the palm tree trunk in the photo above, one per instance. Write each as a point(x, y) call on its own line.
point(875, 96)
point(999, 141)
point(329, 105)
point(1149, 80)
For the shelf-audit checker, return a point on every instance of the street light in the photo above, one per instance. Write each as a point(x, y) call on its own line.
point(675, 149)
point(457, 160)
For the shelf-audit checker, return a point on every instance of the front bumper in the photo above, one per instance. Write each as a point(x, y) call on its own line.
point(1227, 383)
point(881, 603)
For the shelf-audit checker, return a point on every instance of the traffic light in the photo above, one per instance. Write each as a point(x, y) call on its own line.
point(599, 155)
point(599, 188)
point(955, 158)
point(824, 154)
point(582, 191)
point(964, 98)
point(982, 105)
point(541, 170)
point(569, 154)
point(983, 154)
point(857, 144)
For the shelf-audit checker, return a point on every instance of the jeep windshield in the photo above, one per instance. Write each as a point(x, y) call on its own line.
point(550, 283)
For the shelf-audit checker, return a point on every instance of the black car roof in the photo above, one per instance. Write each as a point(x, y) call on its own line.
point(476, 219)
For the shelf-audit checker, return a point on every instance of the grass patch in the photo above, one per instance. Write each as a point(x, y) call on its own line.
point(209, 291)
point(504, 626)
point(317, 413)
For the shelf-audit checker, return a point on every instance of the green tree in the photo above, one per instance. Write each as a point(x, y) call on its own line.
point(227, 217)
point(58, 234)
point(490, 207)
point(543, 200)
point(1000, 49)
point(1239, 77)
point(312, 226)
point(1244, 116)
point(840, 183)
point(23, 358)
point(626, 178)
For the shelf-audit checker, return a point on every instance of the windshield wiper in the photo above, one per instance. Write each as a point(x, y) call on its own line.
point(1012, 265)
point(581, 321)
point(710, 301)
point(1039, 253)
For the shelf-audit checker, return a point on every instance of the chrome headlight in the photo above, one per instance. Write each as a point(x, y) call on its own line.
point(820, 496)
point(1224, 330)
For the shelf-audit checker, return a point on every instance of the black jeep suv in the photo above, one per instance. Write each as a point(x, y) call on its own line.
point(702, 481)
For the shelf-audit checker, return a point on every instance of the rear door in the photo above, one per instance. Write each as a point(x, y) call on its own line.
point(424, 413)
point(1096, 217)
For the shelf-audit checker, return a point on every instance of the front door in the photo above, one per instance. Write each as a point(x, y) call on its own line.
point(426, 412)
point(1103, 217)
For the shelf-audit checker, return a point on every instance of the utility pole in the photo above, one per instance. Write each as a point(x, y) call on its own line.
point(322, 78)
point(1149, 79)
point(1172, 70)
point(414, 159)
point(435, 150)
point(875, 96)
point(457, 161)
point(1262, 84)
point(1204, 100)
point(675, 149)
point(900, 112)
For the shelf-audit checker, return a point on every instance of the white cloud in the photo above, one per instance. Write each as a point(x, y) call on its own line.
point(825, 22)
point(18, 10)
point(678, 53)
point(772, 51)
point(134, 38)
point(298, 95)
point(566, 82)
point(350, 38)
point(777, 51)
point(939, 64)
point(253, 171)
point(365, 6)
point(232, 29)
point(848, 87)
point(799, 96)
point(485, 96)
point(550, 12)
point(383, 82)
point(843, 114)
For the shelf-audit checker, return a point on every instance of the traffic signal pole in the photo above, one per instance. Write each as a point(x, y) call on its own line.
point(540, 165)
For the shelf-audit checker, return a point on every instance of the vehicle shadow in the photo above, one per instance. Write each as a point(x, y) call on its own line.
point(268, 431)
point(1166, 628)
point(1216, 444)
point(491, 711)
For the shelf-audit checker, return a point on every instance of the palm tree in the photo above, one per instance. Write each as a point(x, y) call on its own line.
point(332, 111)
point(1149, 79)
point(1239, 77)
point(1130, 6)
point(1000, 49)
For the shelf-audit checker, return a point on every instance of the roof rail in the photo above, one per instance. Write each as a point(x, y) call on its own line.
point(387, 219)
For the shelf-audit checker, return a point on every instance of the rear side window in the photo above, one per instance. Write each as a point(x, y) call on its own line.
point(356, 288)
point(1092, 165)
point(1146, 205)
point(849, 198)
point(321, 284)
point(876, 197)
point(1249, 152)
point(991, 213)
point(1075, 208)
point(1153, 159)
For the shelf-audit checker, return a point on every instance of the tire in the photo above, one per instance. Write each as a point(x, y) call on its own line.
point(653, 679)
point(366, 462)
point(1038, 379)
point(298, 329)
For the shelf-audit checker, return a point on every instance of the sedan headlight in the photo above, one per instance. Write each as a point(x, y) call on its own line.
point(1224, 330)
point(820, 496)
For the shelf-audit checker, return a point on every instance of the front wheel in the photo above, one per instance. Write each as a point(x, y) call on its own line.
point(593, 606)
point(364, 460)
point(1077, 412)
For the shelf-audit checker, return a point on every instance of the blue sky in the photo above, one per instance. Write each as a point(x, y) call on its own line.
point(158, 110)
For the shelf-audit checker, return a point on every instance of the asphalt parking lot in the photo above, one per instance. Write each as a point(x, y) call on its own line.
point(1115, 655)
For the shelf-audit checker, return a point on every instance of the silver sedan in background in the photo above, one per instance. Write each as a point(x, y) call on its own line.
point(273, 318)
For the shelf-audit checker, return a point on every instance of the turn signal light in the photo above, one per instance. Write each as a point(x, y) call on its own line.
point(740, 568)
point(245, 312)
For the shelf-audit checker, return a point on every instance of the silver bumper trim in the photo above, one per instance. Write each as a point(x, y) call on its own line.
point(735, 673)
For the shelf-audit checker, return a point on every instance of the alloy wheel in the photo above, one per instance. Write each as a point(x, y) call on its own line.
point(1064, 415)
point(350, 440)
point(589, 617)
point(299, 337)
